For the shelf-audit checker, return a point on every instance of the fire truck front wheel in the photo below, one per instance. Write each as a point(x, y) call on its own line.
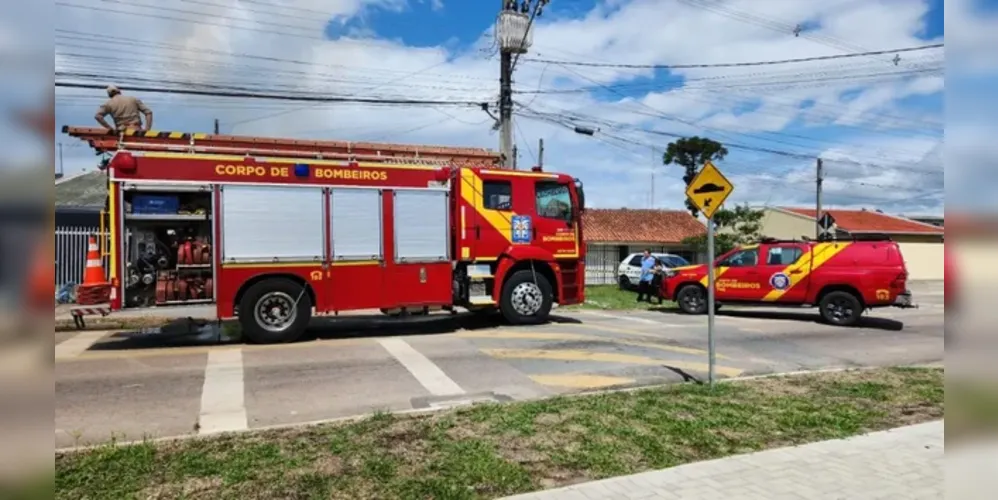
point(274, 311)
point(525, 301)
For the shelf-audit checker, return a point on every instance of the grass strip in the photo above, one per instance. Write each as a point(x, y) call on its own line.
point(610, 297)
point(494, 450)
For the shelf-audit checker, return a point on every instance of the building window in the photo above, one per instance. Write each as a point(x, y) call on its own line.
point(498, 195)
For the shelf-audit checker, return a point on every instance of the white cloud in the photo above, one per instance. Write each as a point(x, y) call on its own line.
point(291, 54)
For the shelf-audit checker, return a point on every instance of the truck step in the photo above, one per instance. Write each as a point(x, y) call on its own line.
point(479, 272)
point(481, 300)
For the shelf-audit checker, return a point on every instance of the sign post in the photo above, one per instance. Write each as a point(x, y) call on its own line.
point(707, 191)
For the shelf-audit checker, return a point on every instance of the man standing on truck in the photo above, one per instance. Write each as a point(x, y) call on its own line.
point(124, 110)
point(647, 273)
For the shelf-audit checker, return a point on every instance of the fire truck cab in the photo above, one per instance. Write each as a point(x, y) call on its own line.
point(273, 231)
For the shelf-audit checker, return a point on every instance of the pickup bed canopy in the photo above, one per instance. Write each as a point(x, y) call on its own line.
point(104, 141)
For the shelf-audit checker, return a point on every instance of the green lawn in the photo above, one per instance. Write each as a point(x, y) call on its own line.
point(611, 297)
point(493, 450)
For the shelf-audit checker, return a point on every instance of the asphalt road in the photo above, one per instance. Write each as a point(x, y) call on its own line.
point(123, 387)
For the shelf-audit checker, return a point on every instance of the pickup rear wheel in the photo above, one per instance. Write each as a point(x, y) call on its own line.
point(524, 301)
point(274, 311)
point(692, 299)
point(840, 308)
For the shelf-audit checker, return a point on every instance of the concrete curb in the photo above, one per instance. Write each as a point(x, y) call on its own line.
point(426, 411)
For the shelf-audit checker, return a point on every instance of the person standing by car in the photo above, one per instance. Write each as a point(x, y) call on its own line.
point(656, 281)
point(647, 273)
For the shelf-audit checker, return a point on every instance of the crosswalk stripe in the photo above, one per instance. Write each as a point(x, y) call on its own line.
point(425, 371)
point(223, 406)
point(77, 345)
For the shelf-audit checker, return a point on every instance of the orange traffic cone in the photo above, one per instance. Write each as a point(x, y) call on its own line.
point(95, 289)
point(93, 274)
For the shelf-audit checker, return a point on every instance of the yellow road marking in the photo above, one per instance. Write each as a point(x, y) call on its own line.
point(602, 357)
point(581, 381)
point(579, 336)
point(637, 333)
point(193, 350)
point(523, 335)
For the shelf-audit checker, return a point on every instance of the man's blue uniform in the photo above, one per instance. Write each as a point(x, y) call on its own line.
point(644, 284)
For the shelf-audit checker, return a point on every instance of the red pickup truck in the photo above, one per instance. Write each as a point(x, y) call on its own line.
point(841, 278)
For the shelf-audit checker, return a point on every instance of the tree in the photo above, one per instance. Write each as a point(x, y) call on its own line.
point(738, 226)
point(692, 153)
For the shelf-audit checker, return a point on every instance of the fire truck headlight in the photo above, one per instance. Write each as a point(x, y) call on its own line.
point(301, 170)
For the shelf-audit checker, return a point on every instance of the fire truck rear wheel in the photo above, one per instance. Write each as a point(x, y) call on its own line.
point(524, 302)
point(269, 313)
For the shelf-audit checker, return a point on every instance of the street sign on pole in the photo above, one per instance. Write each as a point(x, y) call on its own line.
point(826, 222)
point(707, 191)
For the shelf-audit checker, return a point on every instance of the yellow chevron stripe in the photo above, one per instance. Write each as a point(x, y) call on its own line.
point(200, 135)
point(718, 271)
point(472, 184)
point(176, 135)
point(814, 258)
point(152, 133)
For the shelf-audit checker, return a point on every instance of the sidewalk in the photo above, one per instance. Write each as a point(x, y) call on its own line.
point(900, 463)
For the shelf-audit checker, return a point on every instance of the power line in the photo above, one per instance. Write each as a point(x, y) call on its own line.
point(275, 96)
point(570, 123)
point(737, 64)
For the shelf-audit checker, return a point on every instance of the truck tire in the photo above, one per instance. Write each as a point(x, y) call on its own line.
point(840, 308)
point(268, 313)
point(524, 302)
point(692, 299)
point(624, 283)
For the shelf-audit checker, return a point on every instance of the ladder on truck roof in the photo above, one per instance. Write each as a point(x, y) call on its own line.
point(104, 141)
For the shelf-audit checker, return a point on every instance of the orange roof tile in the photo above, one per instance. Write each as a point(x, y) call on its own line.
point(870, 221)
point(639, 225)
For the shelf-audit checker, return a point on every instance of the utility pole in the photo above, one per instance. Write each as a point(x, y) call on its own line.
point(820, 177)
point(540, 153)
point(506, 109)
point(513, 35)
point(62, 171)
point(216, 126)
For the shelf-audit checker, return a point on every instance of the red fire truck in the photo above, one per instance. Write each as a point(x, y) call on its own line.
point(273, 231)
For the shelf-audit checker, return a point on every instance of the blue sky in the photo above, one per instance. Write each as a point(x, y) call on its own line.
point(870, 120)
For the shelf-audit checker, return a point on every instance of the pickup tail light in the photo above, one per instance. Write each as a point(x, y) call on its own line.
point(899, 281)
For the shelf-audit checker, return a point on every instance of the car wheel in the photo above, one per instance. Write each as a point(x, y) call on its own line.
point(274, 311)
point(840, 308)
point(624, 283)
point(524, 301)
point(692, 299)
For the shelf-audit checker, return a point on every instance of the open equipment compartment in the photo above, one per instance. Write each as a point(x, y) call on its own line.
point(168, 247)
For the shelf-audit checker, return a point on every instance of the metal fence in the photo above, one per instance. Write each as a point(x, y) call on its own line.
point(71, 253)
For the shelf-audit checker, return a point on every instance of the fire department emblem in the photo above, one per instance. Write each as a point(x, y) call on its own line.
point(779, 281)
point(520, 227)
